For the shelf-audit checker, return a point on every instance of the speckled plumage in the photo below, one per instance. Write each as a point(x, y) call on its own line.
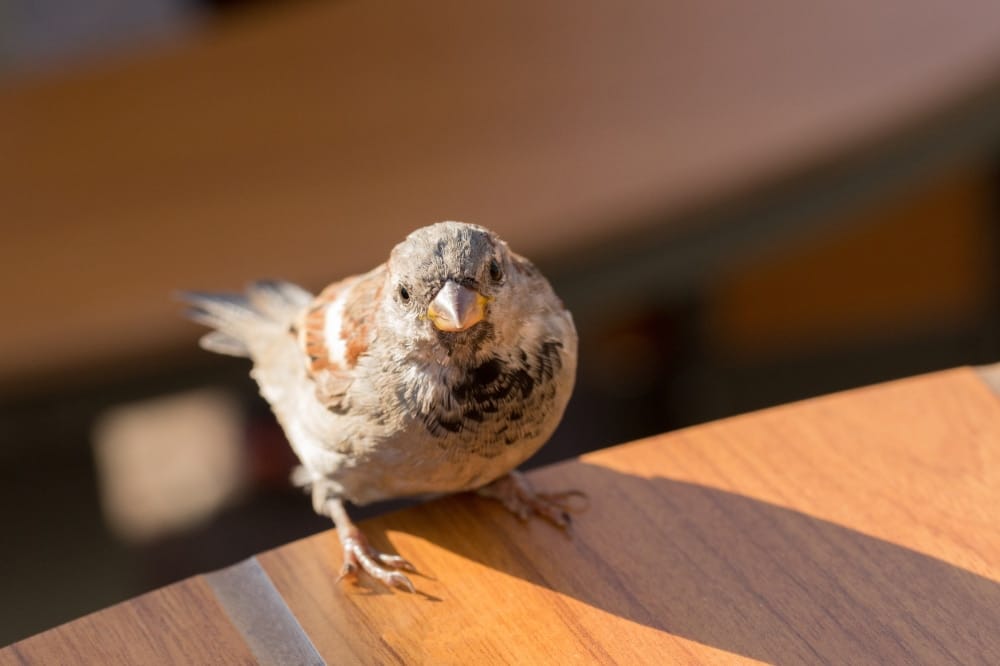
point(381, 395)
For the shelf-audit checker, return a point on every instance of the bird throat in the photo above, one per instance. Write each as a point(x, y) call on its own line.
point(497, 401)
point(462, 346)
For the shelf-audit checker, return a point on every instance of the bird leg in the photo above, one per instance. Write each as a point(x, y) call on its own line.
point(515, 492)
point(360, 555)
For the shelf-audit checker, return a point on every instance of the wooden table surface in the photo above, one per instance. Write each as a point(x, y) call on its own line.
point(861, 527)
point(303, 142)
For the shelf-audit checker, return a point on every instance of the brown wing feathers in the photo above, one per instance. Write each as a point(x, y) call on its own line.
point(359, 317)
point(327, 369)
point(313, 335)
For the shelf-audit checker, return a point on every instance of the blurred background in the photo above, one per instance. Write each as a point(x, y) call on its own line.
point(742, 205)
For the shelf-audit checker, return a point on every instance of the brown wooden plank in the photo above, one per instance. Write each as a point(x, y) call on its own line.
point(304, 142)
point(178, 624)
point(856, 528)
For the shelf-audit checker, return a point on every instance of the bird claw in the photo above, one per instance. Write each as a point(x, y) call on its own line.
point(515, 492)
point(360, 555)
point(396, 562)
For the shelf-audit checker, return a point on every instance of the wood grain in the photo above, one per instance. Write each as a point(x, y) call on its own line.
point(178, 624)
point(859, 528)
point(855, 528)
point(303, 143)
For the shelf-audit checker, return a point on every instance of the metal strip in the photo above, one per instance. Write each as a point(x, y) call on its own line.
point(257, 610)
point(990, 374)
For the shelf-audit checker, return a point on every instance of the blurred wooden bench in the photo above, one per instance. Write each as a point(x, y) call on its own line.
point(302, 142)
point(855, 528)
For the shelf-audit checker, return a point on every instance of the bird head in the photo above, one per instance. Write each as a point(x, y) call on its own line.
point(451, 283)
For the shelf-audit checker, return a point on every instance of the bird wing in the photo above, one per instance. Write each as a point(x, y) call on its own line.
point(335, 330)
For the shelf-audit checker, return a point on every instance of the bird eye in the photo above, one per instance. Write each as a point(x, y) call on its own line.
point(495, 273)
point(404, 294)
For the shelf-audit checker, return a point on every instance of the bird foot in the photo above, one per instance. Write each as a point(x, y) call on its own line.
point(359, 555)
point(515, 492)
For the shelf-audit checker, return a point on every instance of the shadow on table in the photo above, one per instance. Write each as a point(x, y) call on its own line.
point(732, 572)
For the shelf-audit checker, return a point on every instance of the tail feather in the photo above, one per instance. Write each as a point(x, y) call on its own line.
point(274, 298)
point(266, 307)
point(223, 343)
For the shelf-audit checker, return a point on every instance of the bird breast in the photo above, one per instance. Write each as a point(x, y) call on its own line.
point(488, 407)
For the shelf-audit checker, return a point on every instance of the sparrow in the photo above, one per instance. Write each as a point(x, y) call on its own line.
point(438, 371)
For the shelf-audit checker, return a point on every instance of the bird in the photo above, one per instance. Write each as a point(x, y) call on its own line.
point(439, 371)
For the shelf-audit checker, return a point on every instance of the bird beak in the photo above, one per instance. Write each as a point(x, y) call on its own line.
point(456, 308)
